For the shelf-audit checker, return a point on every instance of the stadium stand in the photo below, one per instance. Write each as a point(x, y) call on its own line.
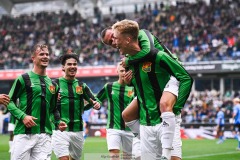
point(196, 32)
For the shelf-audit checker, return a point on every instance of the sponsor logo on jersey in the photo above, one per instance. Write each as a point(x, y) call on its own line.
point(52, 89)
point(147, 66)
point(79, 90)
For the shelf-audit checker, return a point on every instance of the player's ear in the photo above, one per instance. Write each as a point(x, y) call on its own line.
point(63, 69)
point(128, 39)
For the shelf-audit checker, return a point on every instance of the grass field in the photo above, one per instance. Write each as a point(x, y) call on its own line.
point(192, 149)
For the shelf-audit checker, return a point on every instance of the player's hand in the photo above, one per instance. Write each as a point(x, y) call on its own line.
point(128, 77)
point(4, 99)
point(96, 104)
point(28, 121)
point(59, 97)
point(123, 62)
point(62, 126)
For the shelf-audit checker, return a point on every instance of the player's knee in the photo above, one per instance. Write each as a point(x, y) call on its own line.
point(64, 158)
point(166, 105)
point(125, 116)
point(115, 151)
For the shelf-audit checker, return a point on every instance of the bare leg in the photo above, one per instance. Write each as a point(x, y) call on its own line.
point(131, 117)
point(114, 154)
point(130, 113)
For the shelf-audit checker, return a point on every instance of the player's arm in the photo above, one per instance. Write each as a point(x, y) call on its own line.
point(185, 80)
point(102, 94)
point(145, 49)
point(56, 103)
point(91, 98)
point(14, 95)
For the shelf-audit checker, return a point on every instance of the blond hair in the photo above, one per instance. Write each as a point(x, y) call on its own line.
point(236, 100)
point(129, 27)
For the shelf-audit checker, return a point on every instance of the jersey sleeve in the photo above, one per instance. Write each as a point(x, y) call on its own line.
point(56, 112)
point(102, 94)
point(88, 95)
point(14, 94)
point(185, 80)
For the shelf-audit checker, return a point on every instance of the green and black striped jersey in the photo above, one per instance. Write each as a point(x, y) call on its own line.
point(37, 97)
point(149, 80)
point(71, 104)
point(145, 44)
point(118, 97)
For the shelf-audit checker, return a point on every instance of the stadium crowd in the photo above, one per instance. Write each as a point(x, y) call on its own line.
point(201, 107)
point(193, 31)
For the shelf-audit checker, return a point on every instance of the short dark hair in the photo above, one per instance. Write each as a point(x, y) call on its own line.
point(103, 33)
point(67, 56)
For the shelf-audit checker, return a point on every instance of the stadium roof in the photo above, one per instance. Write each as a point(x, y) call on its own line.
point(15, 6)
point(85, 7)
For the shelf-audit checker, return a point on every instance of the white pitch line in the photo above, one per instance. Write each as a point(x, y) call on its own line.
point(208, 155)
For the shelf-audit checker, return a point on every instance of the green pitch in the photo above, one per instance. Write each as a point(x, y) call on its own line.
point(192, 149)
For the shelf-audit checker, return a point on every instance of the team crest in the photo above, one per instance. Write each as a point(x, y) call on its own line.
point(130, 93)
point(79, 90)
point(147, 66)
point(52, 89)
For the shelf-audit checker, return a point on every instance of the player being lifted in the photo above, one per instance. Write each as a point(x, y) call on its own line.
point(150, 78)
point(169, 95)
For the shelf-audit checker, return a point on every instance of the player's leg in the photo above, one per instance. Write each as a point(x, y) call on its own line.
point(127, 144)
point(22, 146)
point(86, 129)
point(60, 144)
point(136, 148)
point(76, 145)
point(114, 143)
point(167, 102)
point(150, 142)
point(10, 130)
point(176, 153)
point(220, 134)
point(42, 148)
point(131, 117)
point(237, 129)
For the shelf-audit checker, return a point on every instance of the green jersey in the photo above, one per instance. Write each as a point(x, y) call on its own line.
point(12, 119)
point(37, 97)
point(118, 97)
point(149, 80)
point(71, 104)
point(149, 43)
point(145, 44)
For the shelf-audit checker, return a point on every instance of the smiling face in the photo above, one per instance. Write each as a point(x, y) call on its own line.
point(70, 68)
point(121, 41)
point(108, 38)
point(125, 35)
point(121, 72)
point(40, 56)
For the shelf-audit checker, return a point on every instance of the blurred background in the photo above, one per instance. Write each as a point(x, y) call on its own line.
point(204, 34)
